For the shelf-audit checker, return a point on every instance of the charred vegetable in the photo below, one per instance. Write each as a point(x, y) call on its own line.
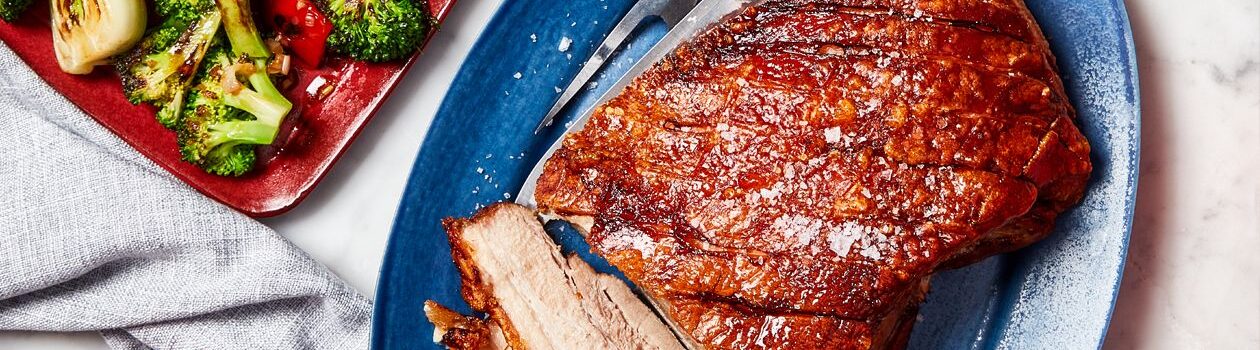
point(212, 134)
point(88, 33)
point(233, 105)
point(160, 69)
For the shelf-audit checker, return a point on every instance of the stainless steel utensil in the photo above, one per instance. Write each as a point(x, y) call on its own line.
point(702, 15)
point(670, 11)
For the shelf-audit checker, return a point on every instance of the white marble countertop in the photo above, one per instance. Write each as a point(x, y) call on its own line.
point(1192, 279)
point(1193, 276)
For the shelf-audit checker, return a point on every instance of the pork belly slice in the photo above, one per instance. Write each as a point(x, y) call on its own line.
point(513, 272)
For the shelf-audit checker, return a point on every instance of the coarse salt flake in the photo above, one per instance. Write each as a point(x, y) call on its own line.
point(833, 134)
point(564, 44)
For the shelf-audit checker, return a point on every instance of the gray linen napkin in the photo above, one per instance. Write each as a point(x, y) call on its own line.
point(93, 236)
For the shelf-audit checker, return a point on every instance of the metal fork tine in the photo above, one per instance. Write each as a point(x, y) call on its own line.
point(671, 11)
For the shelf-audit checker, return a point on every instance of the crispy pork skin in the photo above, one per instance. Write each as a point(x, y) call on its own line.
point(459, 332)
point(512, 271)
point(792, 177)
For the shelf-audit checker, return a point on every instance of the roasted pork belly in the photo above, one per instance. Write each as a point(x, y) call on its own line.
point(540, 299)
point(792, 177)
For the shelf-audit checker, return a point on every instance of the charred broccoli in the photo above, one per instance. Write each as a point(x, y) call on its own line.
point(11, 9)
point(233, 105)
point(160, 69)
point(217, 137)
point(376, 30)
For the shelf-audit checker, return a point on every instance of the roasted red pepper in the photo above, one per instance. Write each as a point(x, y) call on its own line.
point(303, 28)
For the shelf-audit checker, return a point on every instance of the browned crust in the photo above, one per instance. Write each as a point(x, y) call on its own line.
point(475, 289)
point(459, 332)
point(958, 143)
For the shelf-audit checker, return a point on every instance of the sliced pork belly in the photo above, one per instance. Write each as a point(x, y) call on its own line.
point(512, 271)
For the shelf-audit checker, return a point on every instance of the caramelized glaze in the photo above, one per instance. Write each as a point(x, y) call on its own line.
point(792, 177)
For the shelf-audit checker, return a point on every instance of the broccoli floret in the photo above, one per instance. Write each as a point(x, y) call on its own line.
point(208, 139)
point(208, 134)
point(11, 9)
point(160, 69)
point(183, 10)
point(262, 100)
point(375, 30)
point(218, 131)
point(220, 127)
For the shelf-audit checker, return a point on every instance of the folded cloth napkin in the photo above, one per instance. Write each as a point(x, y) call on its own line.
point(94, 236)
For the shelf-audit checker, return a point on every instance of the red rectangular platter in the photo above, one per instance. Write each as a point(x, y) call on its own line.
point(317, 131)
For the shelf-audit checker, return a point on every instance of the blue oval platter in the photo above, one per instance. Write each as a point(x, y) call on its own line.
point(1057, 294)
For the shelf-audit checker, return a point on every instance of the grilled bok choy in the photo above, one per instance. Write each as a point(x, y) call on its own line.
point(86, 33)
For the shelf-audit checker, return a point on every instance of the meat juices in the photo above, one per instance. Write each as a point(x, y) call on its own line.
point(792, 177)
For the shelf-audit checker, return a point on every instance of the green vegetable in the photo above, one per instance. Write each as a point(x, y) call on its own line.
point(183, 10)
point(376, 30)
point(219, 130)
point(160, 69)
point(210, 134)
point(11, 9)
point(220, 127)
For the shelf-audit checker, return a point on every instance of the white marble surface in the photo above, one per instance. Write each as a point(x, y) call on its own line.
point(1193, 276)
point(1192, 279)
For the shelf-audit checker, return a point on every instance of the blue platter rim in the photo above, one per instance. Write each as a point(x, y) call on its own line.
point(1126, 28)
point(395, 304)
